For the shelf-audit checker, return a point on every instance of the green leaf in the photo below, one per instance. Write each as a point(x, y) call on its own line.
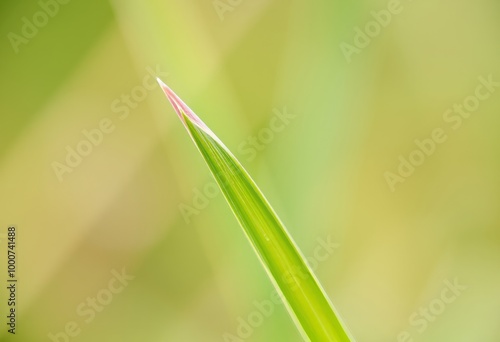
point(300, 290)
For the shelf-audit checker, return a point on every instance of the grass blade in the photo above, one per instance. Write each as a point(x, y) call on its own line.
point(301, 292)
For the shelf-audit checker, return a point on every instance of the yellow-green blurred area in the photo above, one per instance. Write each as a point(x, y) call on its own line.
point(100, 178)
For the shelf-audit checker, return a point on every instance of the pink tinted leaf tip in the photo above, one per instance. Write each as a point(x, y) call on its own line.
point(180, 107)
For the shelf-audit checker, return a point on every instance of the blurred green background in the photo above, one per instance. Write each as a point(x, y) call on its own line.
point(137, 195)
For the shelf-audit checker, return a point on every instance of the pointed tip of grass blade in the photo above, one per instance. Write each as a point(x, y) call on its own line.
point(186, 114)
point(182, 109)
point(172, 98)
point(305, 299)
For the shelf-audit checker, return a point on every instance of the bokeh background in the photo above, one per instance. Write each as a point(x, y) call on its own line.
point(238, 63)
